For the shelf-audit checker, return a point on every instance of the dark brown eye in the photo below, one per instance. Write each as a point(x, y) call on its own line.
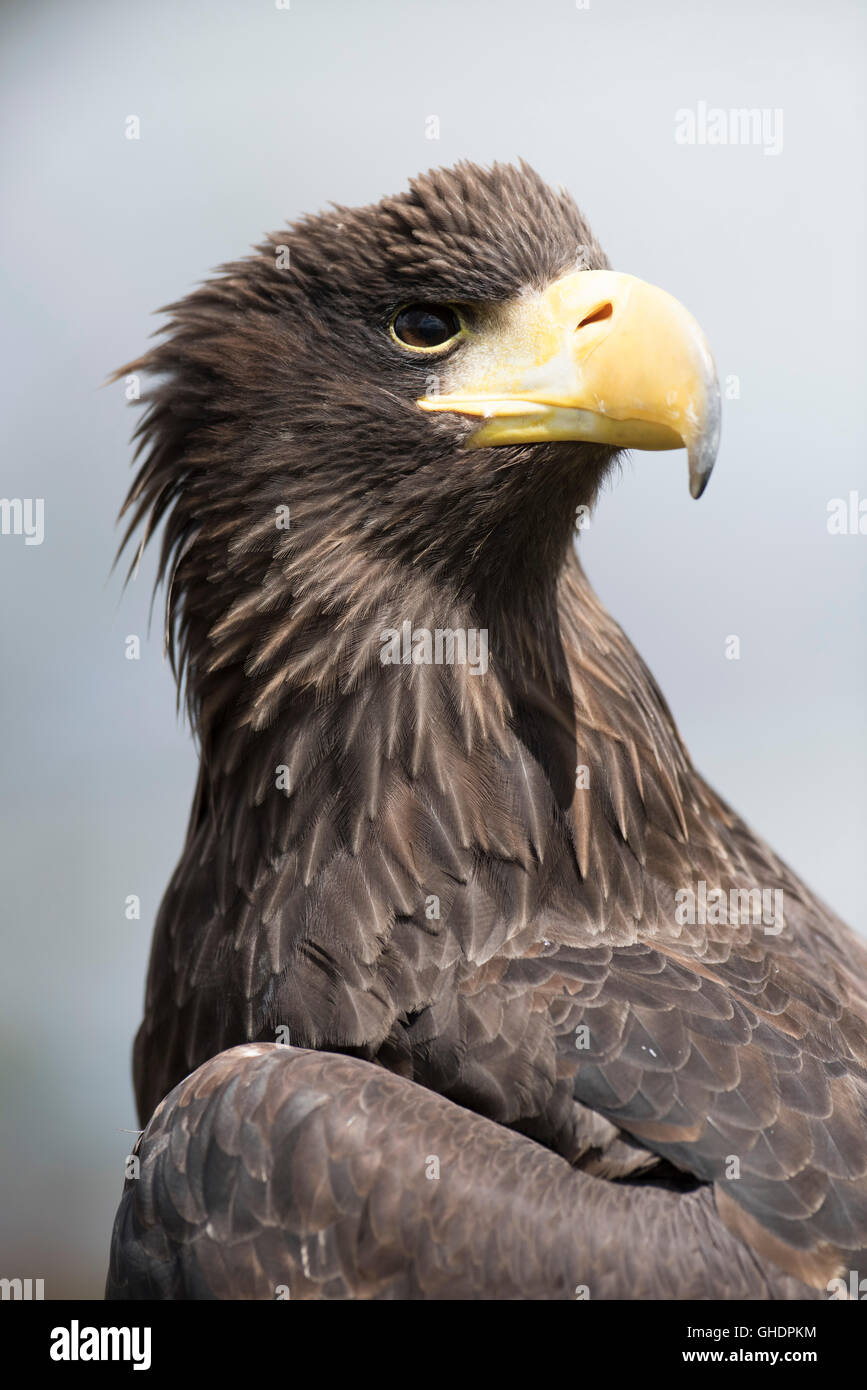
point(426, 325)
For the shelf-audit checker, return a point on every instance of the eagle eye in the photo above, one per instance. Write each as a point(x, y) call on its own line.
point(425, 327)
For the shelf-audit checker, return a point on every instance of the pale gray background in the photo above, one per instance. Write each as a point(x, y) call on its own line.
point(251, 115)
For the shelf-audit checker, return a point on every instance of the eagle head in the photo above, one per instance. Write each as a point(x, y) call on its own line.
point(384, 400)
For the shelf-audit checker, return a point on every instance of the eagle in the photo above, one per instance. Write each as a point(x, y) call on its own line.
point(466, 985)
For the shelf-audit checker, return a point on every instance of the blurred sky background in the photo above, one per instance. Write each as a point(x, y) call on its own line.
point(250, 115)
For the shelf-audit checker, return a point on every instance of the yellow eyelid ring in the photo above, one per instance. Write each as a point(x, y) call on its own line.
point(434, 349)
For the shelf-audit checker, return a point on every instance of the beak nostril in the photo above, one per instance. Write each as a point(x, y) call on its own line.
point(603, 312)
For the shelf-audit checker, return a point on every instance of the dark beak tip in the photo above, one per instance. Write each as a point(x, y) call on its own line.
point(702, 453)
point(698, 482)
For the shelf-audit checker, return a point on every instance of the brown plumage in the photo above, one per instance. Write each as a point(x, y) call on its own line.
point(395, 861)
point(322, 1182)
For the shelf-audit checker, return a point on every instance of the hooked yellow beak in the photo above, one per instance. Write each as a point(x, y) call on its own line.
point(597, 356)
